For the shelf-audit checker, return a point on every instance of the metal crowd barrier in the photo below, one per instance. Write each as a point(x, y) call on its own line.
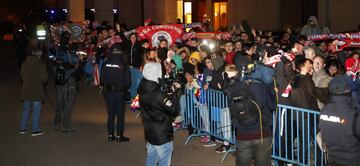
point(294, 129)
point(295, 138)
point(209, 117)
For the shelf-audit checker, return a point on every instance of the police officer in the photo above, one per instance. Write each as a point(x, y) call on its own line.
point(116, 79)
point(339, 125)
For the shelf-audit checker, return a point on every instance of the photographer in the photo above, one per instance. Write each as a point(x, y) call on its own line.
point(68, 70)
point(158, 111)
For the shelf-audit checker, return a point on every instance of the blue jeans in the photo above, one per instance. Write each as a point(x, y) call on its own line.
point(136, 77)
point(35, 106)
point(159, 155)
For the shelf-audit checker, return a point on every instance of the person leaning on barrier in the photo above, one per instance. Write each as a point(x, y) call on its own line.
point(340, 125)
point(158, 109)
point(116, 79)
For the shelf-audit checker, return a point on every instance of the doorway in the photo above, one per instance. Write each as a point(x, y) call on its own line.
point(220, 16)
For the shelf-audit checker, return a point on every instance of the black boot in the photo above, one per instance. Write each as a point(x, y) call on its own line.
point(111, 137)
point(121, 138)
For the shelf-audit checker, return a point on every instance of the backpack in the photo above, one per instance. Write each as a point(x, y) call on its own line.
point(245, 110)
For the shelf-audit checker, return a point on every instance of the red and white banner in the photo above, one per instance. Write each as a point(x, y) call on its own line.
point(155, 33)
point(339, 36)
point(340, 40)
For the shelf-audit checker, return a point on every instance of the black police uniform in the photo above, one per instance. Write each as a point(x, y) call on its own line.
point(116, 79)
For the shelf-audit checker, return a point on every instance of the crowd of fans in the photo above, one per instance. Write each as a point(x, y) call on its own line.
point(300, 72)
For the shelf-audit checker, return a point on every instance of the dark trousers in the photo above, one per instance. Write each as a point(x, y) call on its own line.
point(66, 98)
point(115, 105)
point(252, 152)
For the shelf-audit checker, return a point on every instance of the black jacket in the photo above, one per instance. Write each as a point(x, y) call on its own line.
point(304, 93)
point(284, 74)
point(342, 146)
point(134, 55)
point(158, 111)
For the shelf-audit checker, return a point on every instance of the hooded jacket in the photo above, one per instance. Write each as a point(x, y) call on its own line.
point(308, 29)
point(33, 75)
point(158, 111)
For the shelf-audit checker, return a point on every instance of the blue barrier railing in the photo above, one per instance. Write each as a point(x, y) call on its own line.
point(294, 129)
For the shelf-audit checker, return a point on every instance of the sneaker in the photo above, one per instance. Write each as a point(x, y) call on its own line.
point(222, 149)
point(23, 131)
point(177, 125)
point(122, 139)
point(37, 133)
point(204, 139)
point(210, 144)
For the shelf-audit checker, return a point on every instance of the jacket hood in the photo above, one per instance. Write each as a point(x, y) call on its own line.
point(313, 18)
point(152, 71)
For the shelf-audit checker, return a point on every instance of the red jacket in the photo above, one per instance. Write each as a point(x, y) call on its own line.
point(229, 59)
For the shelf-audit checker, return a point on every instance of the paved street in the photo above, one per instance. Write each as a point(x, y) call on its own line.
point(88, 146)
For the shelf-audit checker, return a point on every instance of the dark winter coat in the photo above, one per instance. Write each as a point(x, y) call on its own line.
point(265, 99)
point(133, 54)
point(304, 93)
point(115, 74)
point(342, 146)
point(33, 75)
point(284, 74)
point(158, 111)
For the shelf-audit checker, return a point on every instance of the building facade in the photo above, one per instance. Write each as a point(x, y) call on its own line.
point(338, 15)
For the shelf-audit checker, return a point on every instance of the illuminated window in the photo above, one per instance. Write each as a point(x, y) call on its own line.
point(180, 10)
point(220, 15)
point(187, 12)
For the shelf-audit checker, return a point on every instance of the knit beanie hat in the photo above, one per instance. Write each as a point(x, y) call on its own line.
point(195, 55)
point(152, 71)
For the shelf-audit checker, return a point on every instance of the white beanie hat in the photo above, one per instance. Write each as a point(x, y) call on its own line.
point(152, 71)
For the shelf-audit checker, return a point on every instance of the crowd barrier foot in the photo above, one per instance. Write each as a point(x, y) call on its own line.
point(231, 150)
point(274, 163)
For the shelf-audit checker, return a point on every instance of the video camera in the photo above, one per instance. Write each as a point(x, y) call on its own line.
point(168, 83)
